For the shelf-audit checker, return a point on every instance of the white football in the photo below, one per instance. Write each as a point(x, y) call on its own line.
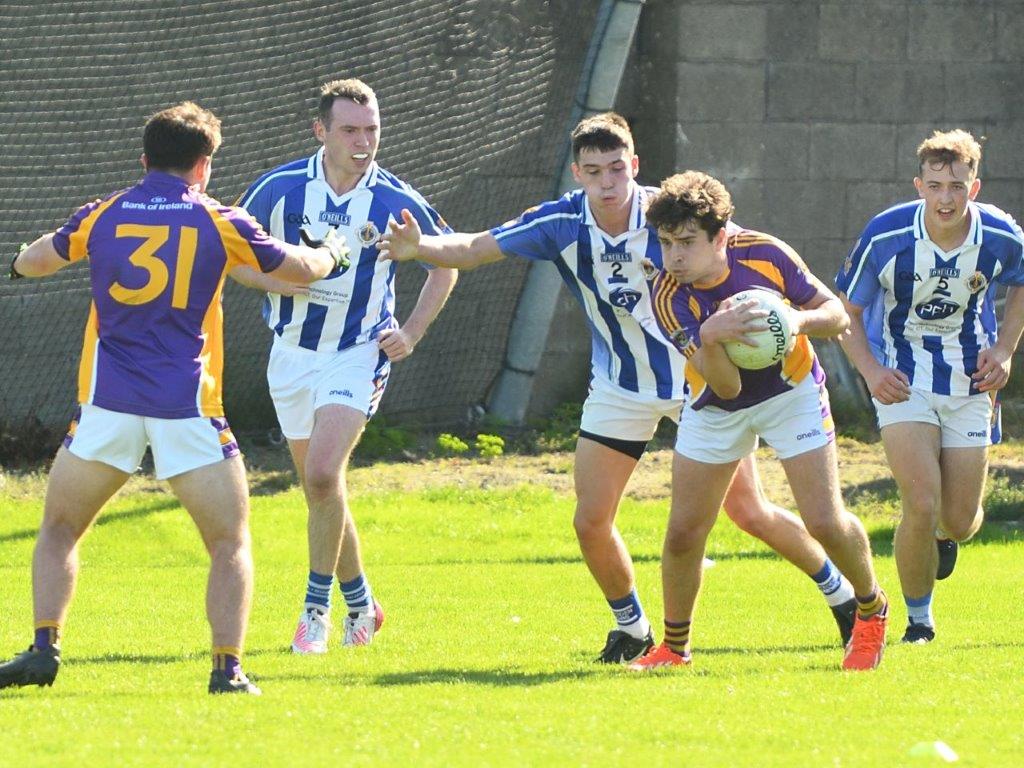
point(772, 343)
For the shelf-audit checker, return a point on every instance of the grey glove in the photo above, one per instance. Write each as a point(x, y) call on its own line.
point(334, 243)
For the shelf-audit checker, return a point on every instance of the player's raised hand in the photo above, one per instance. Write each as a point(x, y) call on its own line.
point(396, 344)
point(733, 321)
point(993, 369)
point(888, 385)
point(401, 242)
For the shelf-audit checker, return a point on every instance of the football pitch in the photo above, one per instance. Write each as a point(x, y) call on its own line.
point(493, 622)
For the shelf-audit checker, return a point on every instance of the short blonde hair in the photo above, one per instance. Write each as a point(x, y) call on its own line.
point(944, 148)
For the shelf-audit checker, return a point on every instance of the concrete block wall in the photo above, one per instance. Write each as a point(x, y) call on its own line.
point(811, 111)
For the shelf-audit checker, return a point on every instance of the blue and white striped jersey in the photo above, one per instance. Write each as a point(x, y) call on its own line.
point(606, 275)
point(355, 304)
point(927, 312)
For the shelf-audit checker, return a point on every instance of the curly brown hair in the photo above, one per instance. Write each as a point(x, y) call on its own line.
point(943, 148)
point(691, 196)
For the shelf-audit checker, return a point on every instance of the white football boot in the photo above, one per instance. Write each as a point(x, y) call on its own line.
point(361, 627)
point(311, 633)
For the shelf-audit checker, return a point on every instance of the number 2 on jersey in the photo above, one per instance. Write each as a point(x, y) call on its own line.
point(145, 258)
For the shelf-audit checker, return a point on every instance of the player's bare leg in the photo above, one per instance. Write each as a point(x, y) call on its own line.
point(747, 506)
point(964, 471)
point(350, 559)
point(76, 491)
point(600, 477)
point(216, 496)
point(814, 479)
point(323, 463)
point(913, 451)
point(697, 493)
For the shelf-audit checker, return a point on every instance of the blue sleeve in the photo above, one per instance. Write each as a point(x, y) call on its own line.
point(258, 201)
point(858, 277)
point(1012, 272)
point(430, 221)
point(540, 233)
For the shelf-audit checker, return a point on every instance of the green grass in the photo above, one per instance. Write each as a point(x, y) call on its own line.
point(486, 656)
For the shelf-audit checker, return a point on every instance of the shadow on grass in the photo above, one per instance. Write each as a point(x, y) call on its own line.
point(498, 678)
point(105, 518)
point(162, 658)
point(639, 557)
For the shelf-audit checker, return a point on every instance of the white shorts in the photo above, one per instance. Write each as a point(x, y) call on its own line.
point(120, 440)
point(792, 423)
point(610, 411)
point(302, 381)
point(965, 421)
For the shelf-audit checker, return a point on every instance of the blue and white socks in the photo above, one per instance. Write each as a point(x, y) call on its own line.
point(629, 616)
point(318, 592)
point(833, 585)
point(919, 610)
point(357, 594)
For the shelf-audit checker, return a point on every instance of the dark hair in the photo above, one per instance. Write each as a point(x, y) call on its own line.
point(176, 137)
point(691, 196)
point(945, 148)
point(604, 132)
point(352, 89)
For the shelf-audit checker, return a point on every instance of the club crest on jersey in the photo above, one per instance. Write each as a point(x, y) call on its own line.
point(848, 264)
point(335, 218)
point(683, 342)
point(650, 271)
point(368, 233)
point(976, 283)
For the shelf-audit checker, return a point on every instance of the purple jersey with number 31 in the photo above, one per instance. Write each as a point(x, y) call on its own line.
point(158, 253)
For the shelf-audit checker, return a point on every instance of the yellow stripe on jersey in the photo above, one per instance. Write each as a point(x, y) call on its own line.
point(665, 288)
point(211, 357)
point(78, 241)
point(87, 365)
point(767, 269)
point(799, 361)
point(236, 247)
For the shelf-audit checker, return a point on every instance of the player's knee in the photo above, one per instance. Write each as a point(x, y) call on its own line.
point(60, 531)
point(591, 525)
point(922, 504)
point(683, 539)
point(962, 527)
point(750, 518)
point(232, 544)
point(829, 528)
point(322, 481)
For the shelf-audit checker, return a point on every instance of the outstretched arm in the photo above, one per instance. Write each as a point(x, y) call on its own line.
point(405, 241)
point(253, 278)
point(38, 260)
point(398, 343)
